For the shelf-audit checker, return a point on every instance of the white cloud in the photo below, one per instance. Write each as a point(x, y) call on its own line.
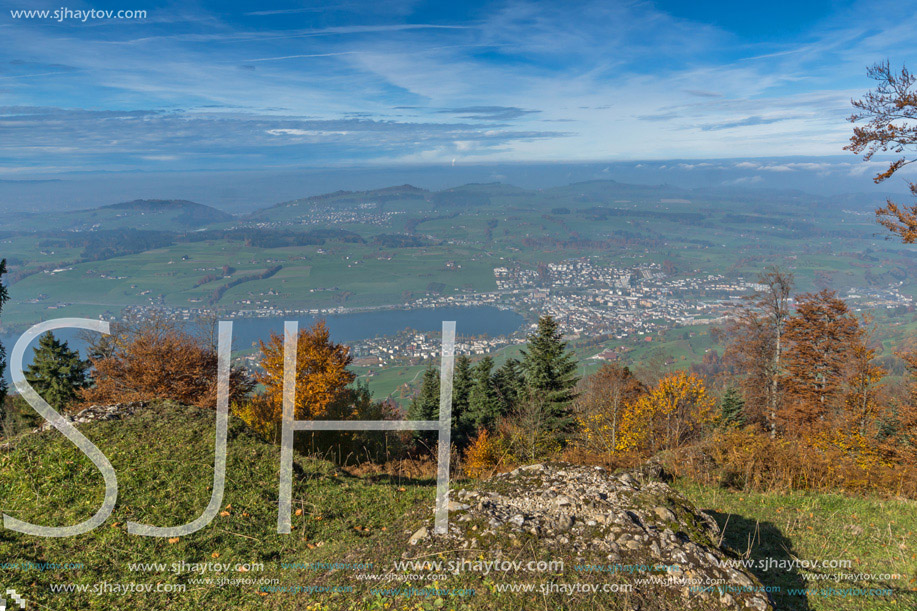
point(629, 80)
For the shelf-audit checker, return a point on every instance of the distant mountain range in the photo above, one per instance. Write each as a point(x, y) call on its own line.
point(177, 215)
point(246, 192)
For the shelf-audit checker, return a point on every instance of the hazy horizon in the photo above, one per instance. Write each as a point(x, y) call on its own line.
point(244, 191)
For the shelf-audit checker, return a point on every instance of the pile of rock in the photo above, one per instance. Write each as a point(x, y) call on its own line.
point(97, 413)
point(589, 514)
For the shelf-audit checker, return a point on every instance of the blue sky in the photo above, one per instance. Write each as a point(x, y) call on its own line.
point(230, 85)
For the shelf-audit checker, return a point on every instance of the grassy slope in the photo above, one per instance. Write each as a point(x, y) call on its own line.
point(164, 459)
point(877, 536)
point(164, 456)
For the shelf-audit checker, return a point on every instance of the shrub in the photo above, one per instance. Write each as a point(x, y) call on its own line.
point(484, 455)
point(577, 454)
point(159, 362)
point(748, 459)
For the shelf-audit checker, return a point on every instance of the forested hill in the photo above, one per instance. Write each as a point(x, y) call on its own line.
point(142, 214)
point(189, 212)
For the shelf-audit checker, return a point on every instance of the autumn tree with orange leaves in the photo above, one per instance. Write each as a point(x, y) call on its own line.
point(891, 114)
point(862, 401)
point(902, 443)
point(322, 377)
point(158, 360)
point(757, 345)
point(911, 359)
point(823, 338)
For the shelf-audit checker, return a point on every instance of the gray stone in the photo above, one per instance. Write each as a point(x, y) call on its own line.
point(741, 578)
point(562, 501)
point(421, 534)
point(564, 523)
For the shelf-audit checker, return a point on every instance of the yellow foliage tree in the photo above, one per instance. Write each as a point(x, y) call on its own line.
point(602, 399)
point(322, 380)
point(670, 415)
point(483, 455)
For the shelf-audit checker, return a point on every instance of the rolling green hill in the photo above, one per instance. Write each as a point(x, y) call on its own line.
point(184, 214)
point(140, 214)
point(302, 209)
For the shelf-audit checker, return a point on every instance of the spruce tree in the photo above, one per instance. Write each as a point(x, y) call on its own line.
point(461, 391)
point(425, 406)
point(4, 296)
point(484, 406)
point(509, 381)
point(550, 374)
point(732, 409)
point(57, 373)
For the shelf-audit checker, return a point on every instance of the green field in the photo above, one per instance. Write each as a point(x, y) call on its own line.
point(458, 237)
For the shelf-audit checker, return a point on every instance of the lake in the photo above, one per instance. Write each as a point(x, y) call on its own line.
point(348, 328)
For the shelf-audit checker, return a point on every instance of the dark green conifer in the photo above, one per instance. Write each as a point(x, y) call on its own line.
point(550, 374)
point(484, 406)
point(732, 409)
point(461, 391)
point(509, 381)
point(57, 373)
